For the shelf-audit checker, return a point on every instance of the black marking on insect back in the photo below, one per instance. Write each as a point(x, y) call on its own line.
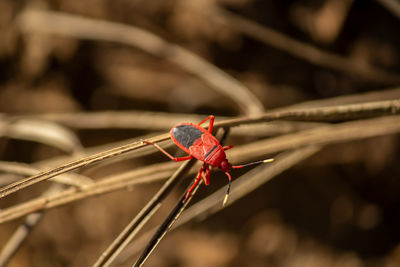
point(209, 152)
point(186, 134)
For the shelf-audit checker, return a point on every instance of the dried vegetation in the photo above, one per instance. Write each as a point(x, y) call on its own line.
point(312, 83)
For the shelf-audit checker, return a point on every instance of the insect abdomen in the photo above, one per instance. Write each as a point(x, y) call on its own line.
point(185, 135)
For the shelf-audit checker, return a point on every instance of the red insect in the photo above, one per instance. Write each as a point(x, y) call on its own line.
point(199, 143)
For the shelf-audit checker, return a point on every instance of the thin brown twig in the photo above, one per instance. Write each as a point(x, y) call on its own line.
point(32, 21)
point(323, 135)
point(325, 114)
point(70, 178)
point(23, 169)
point(335, 101)
point(371, 96)
point(44, 132)
point(166, 225)
point(312, 114)
point(161, 121)
point(147, 174)
point(153, 121)
point(328, 134)
point(74, 165)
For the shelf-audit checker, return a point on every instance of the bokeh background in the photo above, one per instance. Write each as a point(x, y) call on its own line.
point(339, 208)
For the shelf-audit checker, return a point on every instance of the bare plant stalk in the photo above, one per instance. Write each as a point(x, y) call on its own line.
point(24, 229)
point(165, 226)
point(325, 114)
point(153, 121)
point(115, 182)
point(371, 96)
point(135, 225)
point(161, 121)
point(26, 170)
point(332, 113)
point(10, 248)
point(319, 136)
point(74, 165)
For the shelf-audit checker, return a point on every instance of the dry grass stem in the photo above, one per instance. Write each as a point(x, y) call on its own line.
point(330, 134)
point(325, 114)
point(371, 96)
point(44, 132)
point(74, 165)
point(14, 243)
point(36, 21)
point(130, 231)
point(312, 114)
point(84, 84)
point(24, 229)
point(128, 179)
point(157, 121)
point(165, 226)
point(321, 135)
point(324, 135)
point(23, 169)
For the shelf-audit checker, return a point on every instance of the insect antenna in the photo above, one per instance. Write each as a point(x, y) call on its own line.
point(238, 167)
point(229, 189)
point(253, 163)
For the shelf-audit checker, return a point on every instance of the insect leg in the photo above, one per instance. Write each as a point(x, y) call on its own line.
point(196, 181)
point(206, 175)
point(211, 125)
point(166, 153)
point(227, 147)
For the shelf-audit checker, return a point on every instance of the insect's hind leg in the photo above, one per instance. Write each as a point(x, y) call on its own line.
point(211, 125)
point(166, 153)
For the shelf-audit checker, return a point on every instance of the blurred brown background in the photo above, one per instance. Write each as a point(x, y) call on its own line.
point(340, 208)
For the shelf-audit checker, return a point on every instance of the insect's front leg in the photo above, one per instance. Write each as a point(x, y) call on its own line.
point(211, 125)
point(166, 153)
point(227, 147)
